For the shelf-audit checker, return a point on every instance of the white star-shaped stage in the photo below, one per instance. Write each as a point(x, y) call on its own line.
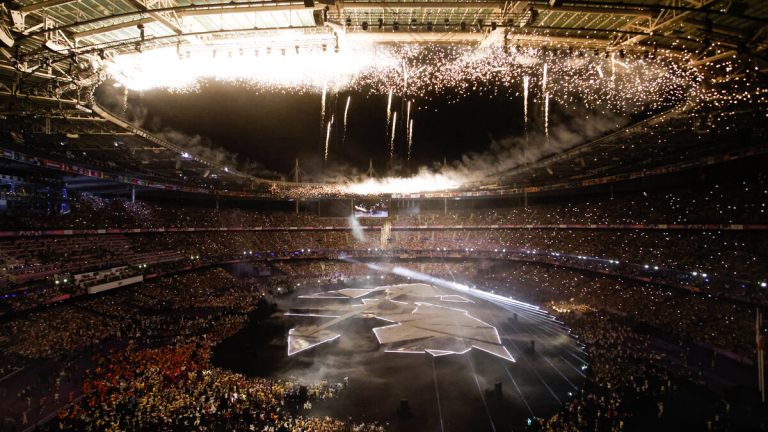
point(423, 320)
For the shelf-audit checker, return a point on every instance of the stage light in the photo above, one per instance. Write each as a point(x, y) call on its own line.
point(413, 23)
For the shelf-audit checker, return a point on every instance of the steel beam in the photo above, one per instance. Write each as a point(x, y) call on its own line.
point(111, 28)
point(488, 5)
point(44, 4)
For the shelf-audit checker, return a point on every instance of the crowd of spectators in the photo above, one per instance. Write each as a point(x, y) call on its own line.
point(733, 202)
point(683, 314)
point(628, 387)
point(157, 374)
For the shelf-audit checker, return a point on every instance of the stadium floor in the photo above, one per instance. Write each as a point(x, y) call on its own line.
point(449, 392)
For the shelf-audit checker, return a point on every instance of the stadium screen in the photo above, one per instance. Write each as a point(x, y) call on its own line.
point(372, 209)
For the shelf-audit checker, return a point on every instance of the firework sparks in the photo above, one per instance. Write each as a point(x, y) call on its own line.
point(628, 85)
point(408, 113)
point(546, 116)
point(410, 138)
point(408, 128)
point(526, 81)
point(328, 137)
point(422, 182)
point(346, 111)
point(322, 104)
point(545, 91)
point(392, 138)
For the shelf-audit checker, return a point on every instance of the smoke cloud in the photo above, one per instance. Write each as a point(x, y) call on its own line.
point(357, 229)
point(203, 148)
point(502, 156)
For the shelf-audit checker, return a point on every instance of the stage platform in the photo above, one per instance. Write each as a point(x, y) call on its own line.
point(463, 362)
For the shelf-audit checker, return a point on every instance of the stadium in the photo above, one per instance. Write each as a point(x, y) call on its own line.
point(434, 215)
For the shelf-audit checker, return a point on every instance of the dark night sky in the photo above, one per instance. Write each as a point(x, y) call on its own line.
point(275, 128)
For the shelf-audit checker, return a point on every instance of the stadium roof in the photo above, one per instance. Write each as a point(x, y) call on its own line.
point(104, 28)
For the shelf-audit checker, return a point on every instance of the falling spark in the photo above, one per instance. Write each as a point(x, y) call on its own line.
point(322, 103)
point(392, 138)
point(546, 101)
point(408, 113)
point(328, 137)
point(546, 115)
point(408, 129)
point(525, 101)
point(389, 114)
point(410, 138)
point(346, 110)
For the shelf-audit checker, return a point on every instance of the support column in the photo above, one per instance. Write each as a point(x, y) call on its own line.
point(133, 194)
